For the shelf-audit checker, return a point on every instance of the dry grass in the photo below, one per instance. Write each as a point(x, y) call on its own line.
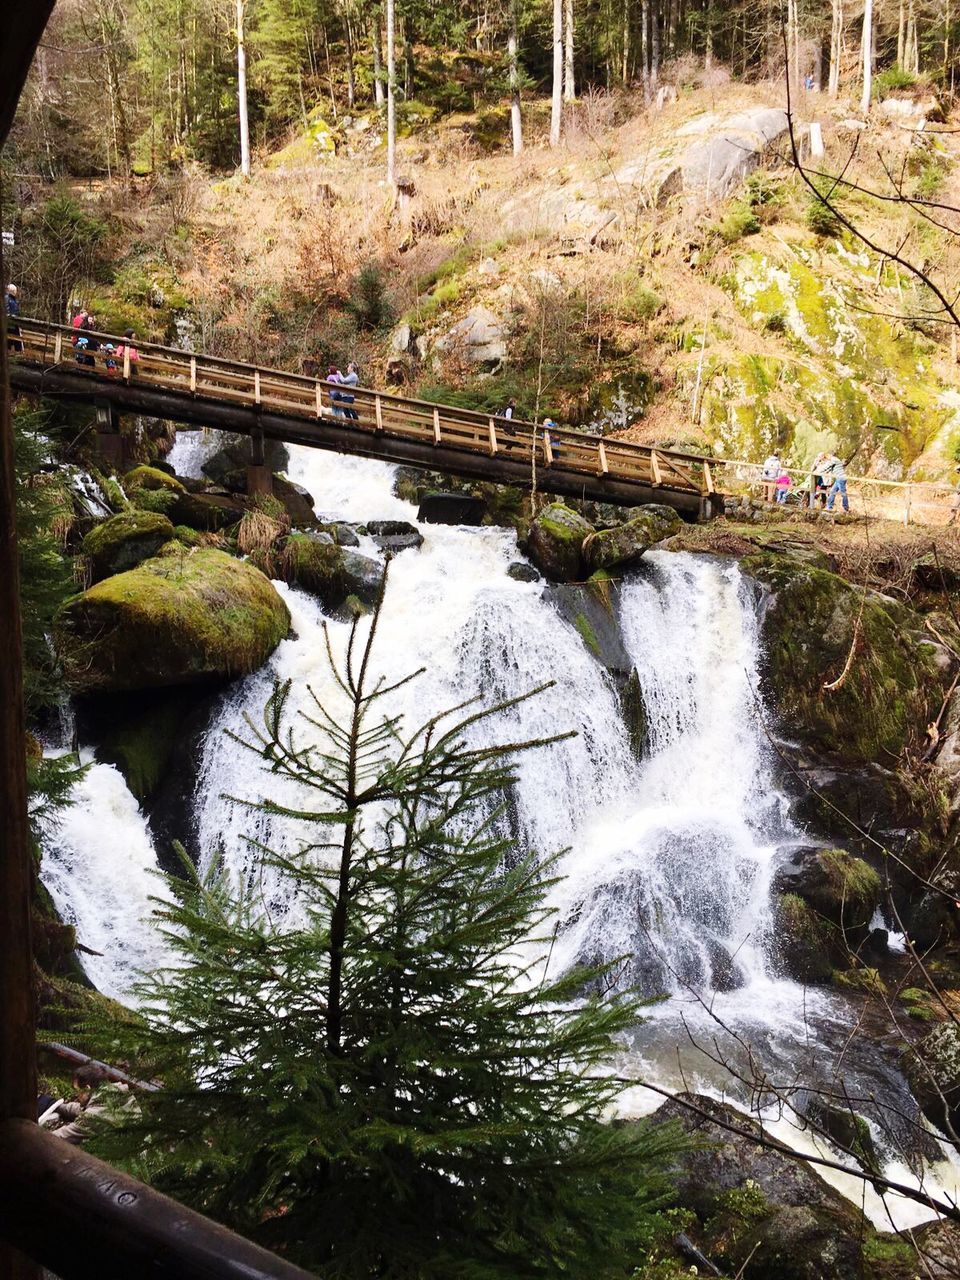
point(259, 531)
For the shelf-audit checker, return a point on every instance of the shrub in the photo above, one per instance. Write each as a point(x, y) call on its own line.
point(369, 303)
point(740, 221)
point(891, 79)
point(820, 218)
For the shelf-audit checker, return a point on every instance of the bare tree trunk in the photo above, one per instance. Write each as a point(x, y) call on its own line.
point(913, 44)
point(377, 61)
point(645, 45)
point(708, 36)
point(516, 122)
point(351, 78)
point(654, 45)
point(569, 86)
point(556, 103)
point(391, 96)
point(836, 40)
point(901, 34)
point(242, 93)
point(625, 64)
point(947, 19)
point(866, 52)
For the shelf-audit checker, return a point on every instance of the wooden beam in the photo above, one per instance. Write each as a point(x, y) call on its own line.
point(319, 400)
point(547, 448)
point(493, 438)
point(655, 476)
point(378, 410)
point(256, 386)
point(193, 373)
point(58, 348)
point(437, 438)
point(708, 478)
point(602, 467)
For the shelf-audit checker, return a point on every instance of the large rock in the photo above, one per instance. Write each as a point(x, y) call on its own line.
point(480, 335)
point(716, 165)
point(840, 887)
point(313, 562)
point(452, 508)
point(882, 701)
point(555, 542)
point(176, 619)
point(123, 541)
point(228, 466)
point(296, 501)
point(764, 1215)
point(624, 544)
point(932, 1067)
point(807, 948)
point(395, 535)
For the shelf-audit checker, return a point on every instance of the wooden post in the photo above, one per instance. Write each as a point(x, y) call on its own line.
point(602, 467)
point(436, 426)
point(655, 477)
point(378, 410)
point(193, 374)
point(547, 448)
point(58, 348)
point(708, 477)
point(493, 437)
point(126, 362)
point(908, 494)
point(256, 386)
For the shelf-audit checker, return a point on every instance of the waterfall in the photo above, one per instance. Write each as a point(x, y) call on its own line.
point(190, 451)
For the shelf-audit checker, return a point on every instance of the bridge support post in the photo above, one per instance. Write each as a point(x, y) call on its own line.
point(111, 445)
point(259, 478)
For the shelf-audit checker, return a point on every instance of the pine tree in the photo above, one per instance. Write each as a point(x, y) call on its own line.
point(388, 1085)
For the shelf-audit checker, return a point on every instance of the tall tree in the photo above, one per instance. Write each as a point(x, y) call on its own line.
point(516, 121)
point(556, 101)
point(569, 86)
point(375, 37)
point(391, 93)
point(242, 91)
point(866, 53)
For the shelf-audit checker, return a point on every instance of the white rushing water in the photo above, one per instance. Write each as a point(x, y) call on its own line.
point(190, 451)
point(670, 859)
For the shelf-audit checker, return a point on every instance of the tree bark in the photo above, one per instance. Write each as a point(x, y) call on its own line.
point(866, 52)
point(516, 121)
point(351, 77)
point(242, 93)
point(569, 86)
point(836, 45)
point(391, 95)
point(645, 46)
point(556, 104)
point(654, 45)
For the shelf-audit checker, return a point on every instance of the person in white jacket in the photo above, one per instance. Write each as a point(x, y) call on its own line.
point(768, 476)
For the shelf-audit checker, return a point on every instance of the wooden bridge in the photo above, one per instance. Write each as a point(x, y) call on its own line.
point(207, 391)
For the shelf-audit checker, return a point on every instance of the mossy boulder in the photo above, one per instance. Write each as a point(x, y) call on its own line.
point(182, 617)
point(151, 478)
point(555, 542)
point(882, 701)
point(624, 544)
point(207, 512)
point(123, 541)
point(841, 888)
point(315, 563)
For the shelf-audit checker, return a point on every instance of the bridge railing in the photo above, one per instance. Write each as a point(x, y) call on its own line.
point(302, 397)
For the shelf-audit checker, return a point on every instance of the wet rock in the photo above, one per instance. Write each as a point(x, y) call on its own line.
point(841, 888)
point(344, 535)
point(932, 1067)
point(847, 1129)
point(806, 947)
point(624, 544)
point(363, 575)
point(452, 508)
point(764, 1214)
point(296, 501)
point(206, 512)
point(180, 618)
point(123, 541)
point(938, 1244)
point(555, 542)
point(634, 712)
point(138, 734)
point(520, 571)
point(228, 466)
point(394, 535)
point(592, 609)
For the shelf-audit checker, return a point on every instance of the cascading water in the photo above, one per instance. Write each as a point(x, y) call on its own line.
point(670, 858)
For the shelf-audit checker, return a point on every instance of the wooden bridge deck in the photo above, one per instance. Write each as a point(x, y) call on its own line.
point(208, 391)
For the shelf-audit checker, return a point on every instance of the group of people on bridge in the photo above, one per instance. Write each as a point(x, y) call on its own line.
point(826, 480)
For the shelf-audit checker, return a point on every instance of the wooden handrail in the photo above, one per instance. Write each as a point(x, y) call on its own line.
point(87, 1221)
point(300, 395)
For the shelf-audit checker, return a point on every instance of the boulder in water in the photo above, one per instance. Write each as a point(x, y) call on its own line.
point(296, 501)
point(207, 512)
point(452, 508)
point(555, 542)
point(394, 535)
point(807, 948)
point(520, 571)
point(228, 466)
point(841, 888)
point(316, 564)
point(151, 478)
point(932, 1067)
point(624, 544)
point(123, 541)
point(177, 619)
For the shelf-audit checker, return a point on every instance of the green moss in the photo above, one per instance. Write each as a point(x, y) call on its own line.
point(124, 540)
point(861, 979)
point(885, 1251)
point(151, 478)
point(142, 738)
point(159, 501)
point(587, 634)
point(179, 618)
point(853, 881)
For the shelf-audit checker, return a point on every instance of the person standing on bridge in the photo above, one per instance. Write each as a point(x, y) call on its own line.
point(13, 314)
point(127, 346)
point(350, 379)
point(769, 476)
